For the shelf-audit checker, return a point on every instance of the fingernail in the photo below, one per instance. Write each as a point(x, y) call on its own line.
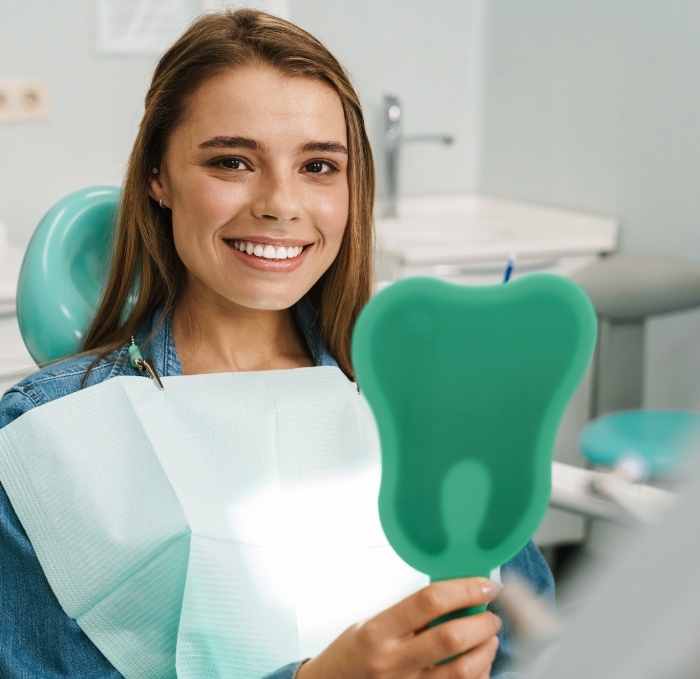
point(490, 589)
point(499, 623)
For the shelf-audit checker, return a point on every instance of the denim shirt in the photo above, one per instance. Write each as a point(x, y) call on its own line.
point(37, 638)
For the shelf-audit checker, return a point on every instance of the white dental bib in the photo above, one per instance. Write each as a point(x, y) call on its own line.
point(223, 527)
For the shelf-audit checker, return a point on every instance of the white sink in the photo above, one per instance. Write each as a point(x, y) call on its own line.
point(460, 229)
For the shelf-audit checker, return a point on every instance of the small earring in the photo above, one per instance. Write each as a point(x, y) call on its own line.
point(160, 202)
point(155, 170)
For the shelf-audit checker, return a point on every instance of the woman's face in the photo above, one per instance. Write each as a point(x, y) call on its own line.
point(256, 177)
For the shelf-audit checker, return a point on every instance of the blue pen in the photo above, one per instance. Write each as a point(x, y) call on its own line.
point(509, 268)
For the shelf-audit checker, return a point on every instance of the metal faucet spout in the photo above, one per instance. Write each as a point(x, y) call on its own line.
point(393, 140)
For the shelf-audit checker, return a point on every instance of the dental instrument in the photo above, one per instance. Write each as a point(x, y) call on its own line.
point(509, 267)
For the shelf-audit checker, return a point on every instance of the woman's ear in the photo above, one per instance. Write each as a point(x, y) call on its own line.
point(156, 187)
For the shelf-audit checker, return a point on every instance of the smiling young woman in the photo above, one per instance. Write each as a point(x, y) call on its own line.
point(243, 247)
point(318, 162)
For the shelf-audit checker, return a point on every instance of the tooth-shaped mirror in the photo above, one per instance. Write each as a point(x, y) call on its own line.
point(468, 386)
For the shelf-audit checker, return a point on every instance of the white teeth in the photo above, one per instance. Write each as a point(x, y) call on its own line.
point(268, 251)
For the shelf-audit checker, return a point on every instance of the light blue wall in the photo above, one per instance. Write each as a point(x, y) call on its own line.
point(95, 102)
point(428, 54)
point(592, 105)
point(595, 105)
point(425, 53)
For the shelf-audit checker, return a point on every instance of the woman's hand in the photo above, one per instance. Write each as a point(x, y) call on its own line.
point(398, 644)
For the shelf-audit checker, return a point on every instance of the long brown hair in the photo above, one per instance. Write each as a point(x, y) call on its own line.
point(145, 265)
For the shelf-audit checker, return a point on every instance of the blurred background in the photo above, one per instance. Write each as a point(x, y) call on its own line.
point(590, 106)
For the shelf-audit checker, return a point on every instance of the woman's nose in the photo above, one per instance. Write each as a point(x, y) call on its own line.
point(277, 198)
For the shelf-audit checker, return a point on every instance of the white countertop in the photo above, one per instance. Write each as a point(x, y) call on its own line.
point(453, 229)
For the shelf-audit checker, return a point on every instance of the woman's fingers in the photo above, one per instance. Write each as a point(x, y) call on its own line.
point(473, 665)
point(450, 639)
point(398, 643)
point(437, 599)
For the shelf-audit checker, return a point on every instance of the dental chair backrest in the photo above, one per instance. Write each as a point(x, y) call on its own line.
point(63, 272)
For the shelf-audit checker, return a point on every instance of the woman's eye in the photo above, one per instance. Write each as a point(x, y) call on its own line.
point(318, 167)
point(232, 163)
point(229, 163)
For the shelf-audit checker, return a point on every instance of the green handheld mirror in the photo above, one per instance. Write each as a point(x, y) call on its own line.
point(468, 386)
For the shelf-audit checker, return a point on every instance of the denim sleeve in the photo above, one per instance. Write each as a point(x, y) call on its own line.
point(528, 565)
point(13, 404)
point(286, 672)
point(37, 639)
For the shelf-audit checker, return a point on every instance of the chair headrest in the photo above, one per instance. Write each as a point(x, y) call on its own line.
point(64, 270)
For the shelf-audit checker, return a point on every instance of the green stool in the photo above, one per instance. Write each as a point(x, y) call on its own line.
point(659, 440)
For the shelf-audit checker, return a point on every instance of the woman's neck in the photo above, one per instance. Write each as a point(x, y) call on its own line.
point(213, 338)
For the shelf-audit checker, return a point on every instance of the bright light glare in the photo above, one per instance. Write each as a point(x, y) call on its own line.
point(323, 555)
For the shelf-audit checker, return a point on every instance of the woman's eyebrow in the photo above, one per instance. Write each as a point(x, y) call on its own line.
point(247, 143)
point(224, 142)
point(323, 147)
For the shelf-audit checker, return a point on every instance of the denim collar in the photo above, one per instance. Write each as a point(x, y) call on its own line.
point(311, 328)
point(161, 349)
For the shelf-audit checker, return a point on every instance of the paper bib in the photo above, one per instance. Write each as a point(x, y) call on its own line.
point(223, 527)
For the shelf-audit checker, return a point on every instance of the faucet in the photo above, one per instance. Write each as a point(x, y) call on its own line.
point(393, 139)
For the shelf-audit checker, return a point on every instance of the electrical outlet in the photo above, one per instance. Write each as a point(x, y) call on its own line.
point(24, 99)
point(7, 100)
point(32, 99)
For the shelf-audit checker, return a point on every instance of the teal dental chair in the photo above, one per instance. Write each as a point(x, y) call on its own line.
point(63, 271)
point(626, 291)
